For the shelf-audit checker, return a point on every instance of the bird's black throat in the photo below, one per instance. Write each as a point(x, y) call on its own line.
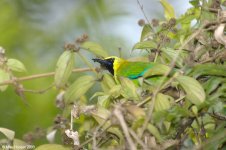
point(107, 64)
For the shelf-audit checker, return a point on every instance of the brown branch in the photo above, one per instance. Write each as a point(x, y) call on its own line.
point(40, 76)
point(218, 116)
point(138, 139)
point(118, 114)
point(213, 10)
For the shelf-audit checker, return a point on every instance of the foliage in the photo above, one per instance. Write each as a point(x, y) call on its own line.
point(182, 106)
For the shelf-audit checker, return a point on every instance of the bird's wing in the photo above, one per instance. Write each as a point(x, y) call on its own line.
point(134, 70)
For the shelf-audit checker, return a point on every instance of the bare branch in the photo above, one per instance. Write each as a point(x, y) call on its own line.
point(43, 75)
point(117, 112)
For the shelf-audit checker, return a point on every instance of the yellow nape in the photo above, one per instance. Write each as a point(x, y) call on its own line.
point(117, 63)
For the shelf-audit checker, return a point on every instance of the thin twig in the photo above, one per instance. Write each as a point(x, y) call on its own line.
point(125, 129)
point(146, 18)
point(151, 108)
point(144, 101)
point(38, 91)
point(138, 139)
point(218, 116)
point(43, 75)
point(97, 129)
point(179, 99)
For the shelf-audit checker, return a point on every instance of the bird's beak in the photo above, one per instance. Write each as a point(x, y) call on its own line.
point(101, 61)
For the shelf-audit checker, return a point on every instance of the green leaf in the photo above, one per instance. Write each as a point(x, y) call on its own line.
point(64, 68)
point(4, 76)
point(116, 131)
point(154, 131)
point(16, 65)
point(96, 95)
point(194, 91)
point(171, 54)
point(213, 83)
point(168, 8)
point(107, 82)
point(104, 101)
point(145, 32)
point(129, 89)
point(145, 45)
point(79, 88)
point(94, 48)
point(162, 102)
point(209, 69)
point(194, 2)
point(100, 115)
point(186, 19)
point(155, 81)
point(52, 147)
point(115, 91)
point(19, 142)
point(8, 133)
point(157, 69)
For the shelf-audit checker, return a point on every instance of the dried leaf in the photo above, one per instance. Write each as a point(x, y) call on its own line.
point(136, 111)
point(16, 65)
point(194, 91)
point(79, 88)
point(94, 48)
point(64, 68)
point(51, 136)
point(73, 135)
point(219, 34)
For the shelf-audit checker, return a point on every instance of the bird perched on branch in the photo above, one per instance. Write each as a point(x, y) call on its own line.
point(119, 67)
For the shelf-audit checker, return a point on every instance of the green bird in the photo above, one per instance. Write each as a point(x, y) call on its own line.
point(119, 67)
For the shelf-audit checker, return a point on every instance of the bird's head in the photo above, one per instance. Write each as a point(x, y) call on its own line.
point(111, 63)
